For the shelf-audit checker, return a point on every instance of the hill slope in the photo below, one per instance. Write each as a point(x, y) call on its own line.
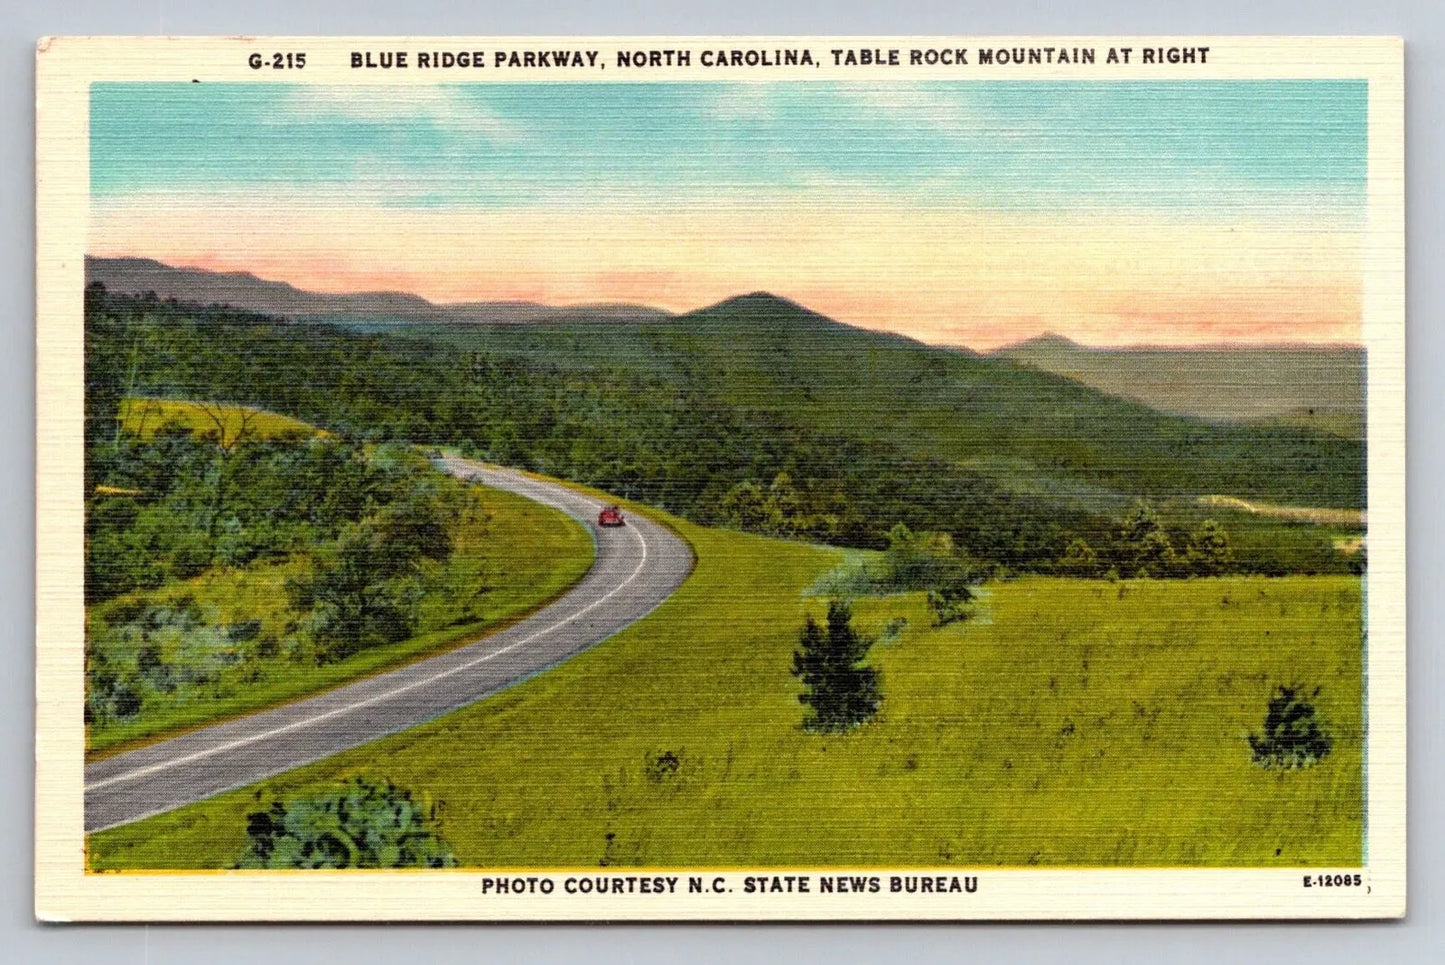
point(756, 415)
point(1091, 723)
point(1313, 386)
point(1041, 432)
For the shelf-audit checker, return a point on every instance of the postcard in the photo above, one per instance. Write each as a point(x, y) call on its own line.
point(906, 478)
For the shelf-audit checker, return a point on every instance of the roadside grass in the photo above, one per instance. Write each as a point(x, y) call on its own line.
point(144, 417)
point(511, 556)
point(1072, 723)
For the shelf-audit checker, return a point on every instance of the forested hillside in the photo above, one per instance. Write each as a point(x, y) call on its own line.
point(755, 414)
point(1031, 431)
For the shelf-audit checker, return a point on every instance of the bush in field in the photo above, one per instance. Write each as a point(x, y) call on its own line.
point(950, 604)
point(144, 649)
point(1293, 736)
point(839, 691)
point(922, 561)
point(358, 825)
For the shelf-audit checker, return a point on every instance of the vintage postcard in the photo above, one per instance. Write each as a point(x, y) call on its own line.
point(720, 478)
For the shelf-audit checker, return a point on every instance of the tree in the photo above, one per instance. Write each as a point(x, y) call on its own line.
point(1143, 548)
point(1141, 521)
point(950, 603)
point(747, 506)
point(226, 433)
point(412, 528)
point(362, 594)
point(1208, 553)
point(839, 691)
point(1155, 556)
point(785, 501)
point(229, 425)
point(1079, 559)
point(923, 561)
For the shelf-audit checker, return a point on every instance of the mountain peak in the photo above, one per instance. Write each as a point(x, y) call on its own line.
point(762, 306)
point(1051, 342)
point(759, 301)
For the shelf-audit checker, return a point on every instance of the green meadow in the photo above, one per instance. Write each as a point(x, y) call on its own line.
point(1068, 723)
point(144, 417)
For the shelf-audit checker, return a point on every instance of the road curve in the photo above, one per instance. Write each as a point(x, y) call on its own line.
point(637, 567)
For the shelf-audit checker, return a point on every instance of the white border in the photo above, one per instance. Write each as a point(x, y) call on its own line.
point(66, 67)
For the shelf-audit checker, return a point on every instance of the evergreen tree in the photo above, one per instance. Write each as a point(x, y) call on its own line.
point(839, 691)
point(1209, 553)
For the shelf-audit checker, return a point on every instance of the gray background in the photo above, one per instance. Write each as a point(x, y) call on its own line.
point(1419, 938)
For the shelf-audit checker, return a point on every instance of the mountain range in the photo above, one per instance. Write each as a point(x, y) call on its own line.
point(1321, 387)
point(1317, 387)
point(246, 291)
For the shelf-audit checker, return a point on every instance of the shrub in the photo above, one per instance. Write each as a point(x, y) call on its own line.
point(893, 630)
point(662, 765)
point(1293, 735)
point(358, 825)
point(950, 604)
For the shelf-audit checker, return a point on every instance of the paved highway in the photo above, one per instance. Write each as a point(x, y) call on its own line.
point(637, 567)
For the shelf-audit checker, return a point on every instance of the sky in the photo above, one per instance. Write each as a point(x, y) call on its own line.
point(966, 213)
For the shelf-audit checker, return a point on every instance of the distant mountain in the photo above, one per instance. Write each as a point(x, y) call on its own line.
point(1029, 430)
point(1045, 345)
point(1030, 422)
point(1047, 417)
point(1321, 387)
point(137, 276)
point(244, 290)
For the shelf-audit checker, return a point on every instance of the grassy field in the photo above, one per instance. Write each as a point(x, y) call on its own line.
point(511, 556)
point(144, 417)
point(1069, 723)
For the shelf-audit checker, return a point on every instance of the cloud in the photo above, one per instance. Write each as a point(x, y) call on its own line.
point(743, 102)
point(943, 110)
point(445, 107)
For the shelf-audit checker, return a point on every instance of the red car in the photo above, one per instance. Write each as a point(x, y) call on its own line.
point(611, 516)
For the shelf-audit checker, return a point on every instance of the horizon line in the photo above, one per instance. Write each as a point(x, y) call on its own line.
point(1279, 344)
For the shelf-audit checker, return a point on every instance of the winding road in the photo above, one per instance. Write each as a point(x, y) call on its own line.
point(637, 567)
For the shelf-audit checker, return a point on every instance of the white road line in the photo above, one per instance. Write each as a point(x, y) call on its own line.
point(295, 725)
